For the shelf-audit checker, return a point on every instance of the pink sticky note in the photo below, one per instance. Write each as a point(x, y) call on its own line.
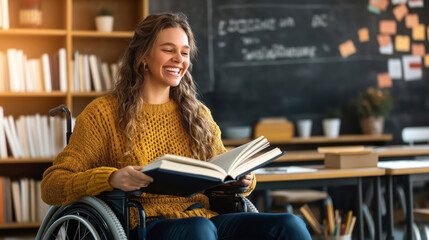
point(418, 49)
point(400, 12)
point(411, 20)
point(387, 27)
point(384, 40)
point(363, 35)
point(347, 48)
point(384, 80)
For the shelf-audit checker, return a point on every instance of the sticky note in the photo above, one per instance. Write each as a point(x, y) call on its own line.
point(427, 61)
point(380, 4)
point(411, 20)
point(418, 49)
point(415, 3)
point(412, 66)
point(384, 80)
point(363, 35)
point(418, 32)
point(384, 40)
point(347, 48)
point(374, 9)
point(402, 43)
point(400, 12)
point(395, 68)
point(387, 27)
point(386, 50)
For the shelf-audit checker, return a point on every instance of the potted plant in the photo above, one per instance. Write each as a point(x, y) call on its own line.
point(104, 20)
point(332, 122)
point(373, 106)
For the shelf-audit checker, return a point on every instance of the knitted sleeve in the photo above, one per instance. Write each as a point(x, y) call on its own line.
point(77, 171)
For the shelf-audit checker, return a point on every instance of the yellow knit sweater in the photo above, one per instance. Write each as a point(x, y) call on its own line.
point(97, 147)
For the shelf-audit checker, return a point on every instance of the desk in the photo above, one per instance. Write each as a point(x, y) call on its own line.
point(328, 177)
point(351, 138)
point(383, 152)
point(408, 175)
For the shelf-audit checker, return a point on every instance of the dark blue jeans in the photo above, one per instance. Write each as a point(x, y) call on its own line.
point(230, 226)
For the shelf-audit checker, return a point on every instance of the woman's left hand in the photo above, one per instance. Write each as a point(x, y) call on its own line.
point(245, 180)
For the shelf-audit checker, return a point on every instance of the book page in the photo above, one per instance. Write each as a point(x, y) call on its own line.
point(227, 159)
point(185, 169)
point(255, 162)
point(188, 161)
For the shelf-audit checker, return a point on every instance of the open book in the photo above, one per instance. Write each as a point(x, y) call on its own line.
point(182, 176)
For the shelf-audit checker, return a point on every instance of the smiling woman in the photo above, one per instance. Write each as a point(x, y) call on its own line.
point(166, 64)
point(154, 111)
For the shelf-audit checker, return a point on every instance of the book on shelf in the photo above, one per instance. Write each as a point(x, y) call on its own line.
point(62, 57)
point(95, 73)
point(3, 146)
point(5, 13)
point(182, 176)
point(16, 201)
point(47, 82)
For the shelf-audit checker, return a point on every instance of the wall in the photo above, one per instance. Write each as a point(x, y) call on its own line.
point(264, 58)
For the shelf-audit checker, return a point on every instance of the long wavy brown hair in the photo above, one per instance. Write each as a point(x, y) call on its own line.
point(128, 88)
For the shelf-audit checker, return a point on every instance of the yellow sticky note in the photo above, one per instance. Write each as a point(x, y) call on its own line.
point(427, 61)
point(402, 43)
point(411, 20)
point(418, 49)
point(363, 35)
point(400, 12)
point(419, 32)
point(347, 48)
point(387, 27)
point(384, 80)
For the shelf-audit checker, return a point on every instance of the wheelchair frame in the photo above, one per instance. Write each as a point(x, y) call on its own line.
point(106, 216)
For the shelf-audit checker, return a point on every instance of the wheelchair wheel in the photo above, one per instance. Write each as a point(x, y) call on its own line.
point(88, 218)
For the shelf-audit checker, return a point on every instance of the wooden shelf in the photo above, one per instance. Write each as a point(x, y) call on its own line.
point(33, 94)
point(117, 34)
point(20, 225)
point(25, 160)
point(320, 139)
point(33, 32)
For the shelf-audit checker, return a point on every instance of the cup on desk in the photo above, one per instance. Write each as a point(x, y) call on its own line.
point(342, 237)
point(304, 127)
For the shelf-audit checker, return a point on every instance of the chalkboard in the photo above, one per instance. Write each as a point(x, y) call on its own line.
point(261, 58)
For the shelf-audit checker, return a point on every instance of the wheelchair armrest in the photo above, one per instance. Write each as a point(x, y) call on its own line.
point(117, 193)
point(227, 199)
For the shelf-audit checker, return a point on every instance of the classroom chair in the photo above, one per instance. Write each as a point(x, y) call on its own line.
point(284, 200)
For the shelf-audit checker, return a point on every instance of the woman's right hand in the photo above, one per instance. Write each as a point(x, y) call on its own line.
point(130, 178)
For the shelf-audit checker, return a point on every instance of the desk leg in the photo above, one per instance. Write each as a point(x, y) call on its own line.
point(389, 206)
point(378, 231)
point(359, 208)
point(409, 203)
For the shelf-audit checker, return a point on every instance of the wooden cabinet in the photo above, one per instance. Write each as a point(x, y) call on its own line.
point(66, 24)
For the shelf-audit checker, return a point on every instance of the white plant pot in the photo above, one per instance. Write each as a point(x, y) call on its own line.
point(104, 23)
point(331, 127)
point(304, 127)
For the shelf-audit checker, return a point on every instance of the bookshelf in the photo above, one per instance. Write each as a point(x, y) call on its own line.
point(66, 24)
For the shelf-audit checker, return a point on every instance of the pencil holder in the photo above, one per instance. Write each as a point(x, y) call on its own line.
point(342, 237)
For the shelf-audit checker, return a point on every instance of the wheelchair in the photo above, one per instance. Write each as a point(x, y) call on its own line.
point(106, 216)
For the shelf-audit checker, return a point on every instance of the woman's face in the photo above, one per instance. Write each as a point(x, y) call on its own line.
point(168, 60)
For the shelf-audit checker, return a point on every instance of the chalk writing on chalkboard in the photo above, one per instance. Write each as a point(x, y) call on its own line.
point(266, 33)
